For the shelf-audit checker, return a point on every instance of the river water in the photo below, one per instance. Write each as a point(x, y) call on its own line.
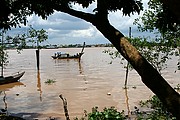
point(85, 84)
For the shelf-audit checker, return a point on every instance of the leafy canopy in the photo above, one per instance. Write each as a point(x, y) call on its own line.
point(13, 13)
point(157, 16)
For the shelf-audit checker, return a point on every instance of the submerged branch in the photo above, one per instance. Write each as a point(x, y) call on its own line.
point(65, 106)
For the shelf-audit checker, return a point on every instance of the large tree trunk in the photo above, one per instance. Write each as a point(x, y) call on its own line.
point(150, 76)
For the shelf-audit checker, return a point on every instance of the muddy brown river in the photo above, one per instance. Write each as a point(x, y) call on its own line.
point(85, 84)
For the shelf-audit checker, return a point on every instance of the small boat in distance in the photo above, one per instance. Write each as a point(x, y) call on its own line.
point(61, 55)
point(12, 78)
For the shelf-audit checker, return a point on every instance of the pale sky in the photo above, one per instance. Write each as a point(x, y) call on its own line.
point(65, 29)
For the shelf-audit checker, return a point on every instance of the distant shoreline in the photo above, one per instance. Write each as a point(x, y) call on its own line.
point(62, 46)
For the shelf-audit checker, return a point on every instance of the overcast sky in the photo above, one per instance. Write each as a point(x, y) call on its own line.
point(65, 29)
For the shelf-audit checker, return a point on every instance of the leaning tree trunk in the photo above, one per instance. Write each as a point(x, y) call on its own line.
point(149, 75)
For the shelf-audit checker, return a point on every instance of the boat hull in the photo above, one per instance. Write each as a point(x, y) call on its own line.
point(11, 79)
point(68, 57)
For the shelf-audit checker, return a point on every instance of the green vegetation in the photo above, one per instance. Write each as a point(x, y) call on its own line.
point(106, 114)
point(3, 57)
point(155, 111)
point(31, 39)
point(19, 42)
point(3, 54)
point(158, 111)
point(157, 52)
point(49, 81)
point(158, 20)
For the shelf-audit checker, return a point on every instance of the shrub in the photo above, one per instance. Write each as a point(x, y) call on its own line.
point(107, 114)
point(158, 111)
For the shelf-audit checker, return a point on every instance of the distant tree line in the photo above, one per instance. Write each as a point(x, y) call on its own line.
point(59, 46)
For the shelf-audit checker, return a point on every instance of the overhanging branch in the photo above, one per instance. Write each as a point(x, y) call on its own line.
point(79, 14)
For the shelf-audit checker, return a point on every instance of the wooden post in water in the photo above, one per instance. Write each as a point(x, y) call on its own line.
point(37, 55)
point(127, 66)
point(37, 58)
point(65, 107)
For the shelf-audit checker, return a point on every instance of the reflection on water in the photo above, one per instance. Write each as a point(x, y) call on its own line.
point(39, 85)
point(6, 87)
point(84, 84)
point(80, 68)
point(3, 89)
point(127, 101)
point(4, 110)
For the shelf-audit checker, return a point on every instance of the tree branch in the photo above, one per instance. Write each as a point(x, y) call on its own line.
point(102, 11)
point(85, 16)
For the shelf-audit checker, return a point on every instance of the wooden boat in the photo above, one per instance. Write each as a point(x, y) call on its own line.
point(11, 79)
point(61, 55)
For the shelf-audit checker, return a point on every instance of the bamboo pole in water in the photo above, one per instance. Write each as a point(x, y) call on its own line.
point(127, 66)
point(37, 55)
point(37, 58)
